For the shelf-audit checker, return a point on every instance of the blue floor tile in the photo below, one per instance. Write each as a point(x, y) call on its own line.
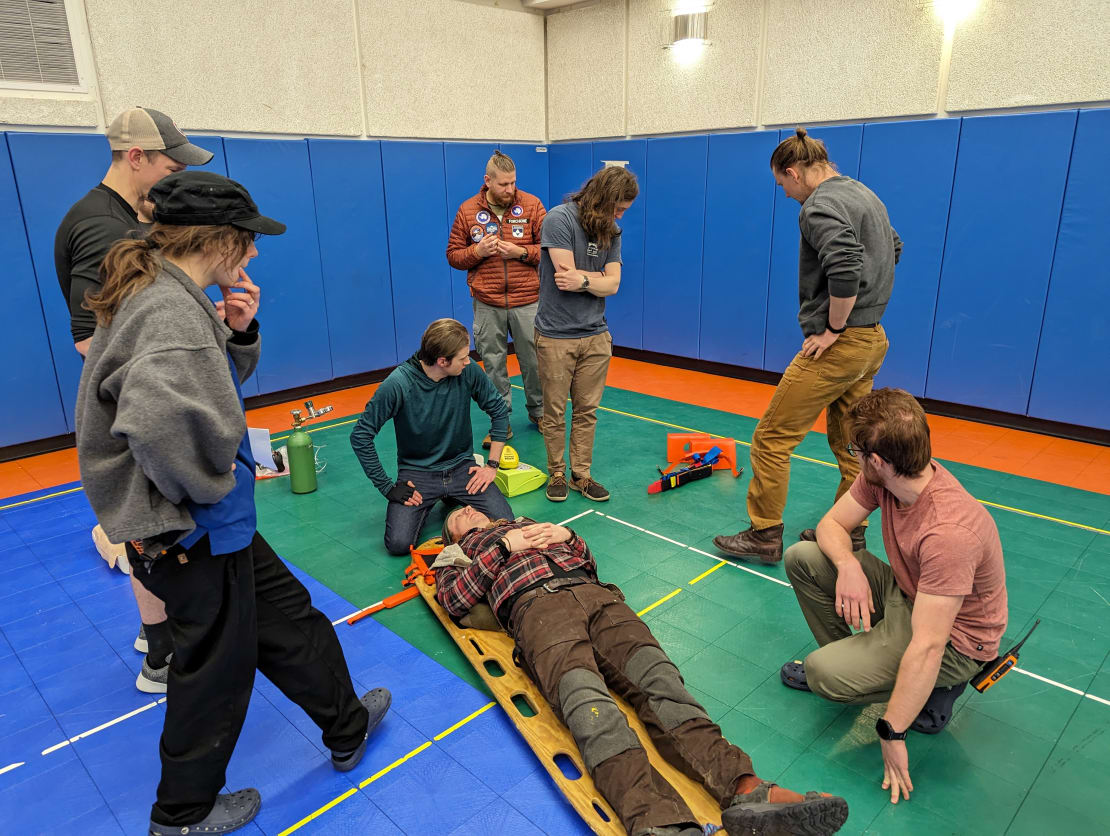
point(46, 624)
point(356, 815)
point(24, 577)
point(59, 653)
point(46, 802)
point(540, 800)
point(31, 601)
point(12, 674)
point(498, 817)
point(492, 731)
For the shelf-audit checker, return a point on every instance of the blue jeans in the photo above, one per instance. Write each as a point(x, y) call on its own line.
point(403, 522)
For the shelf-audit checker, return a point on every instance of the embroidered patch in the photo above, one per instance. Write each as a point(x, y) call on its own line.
point(491, 229)
point(476, 234)
point(592, 249)
point(517, 210)
point(482, 217)
point(518, 232)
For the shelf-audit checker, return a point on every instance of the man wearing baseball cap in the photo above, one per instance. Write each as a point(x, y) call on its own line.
point(146, 146)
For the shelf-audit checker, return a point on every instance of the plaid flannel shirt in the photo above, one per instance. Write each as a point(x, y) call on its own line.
point(497, 578)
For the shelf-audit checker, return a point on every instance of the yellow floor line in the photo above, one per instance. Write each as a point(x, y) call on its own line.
point(385, 770)
point(40, 498)
point(824, 463)
point(317, 429)
point(662, 600)
point(706, 573)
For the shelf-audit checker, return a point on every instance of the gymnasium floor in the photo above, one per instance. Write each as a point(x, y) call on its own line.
point(78, 744)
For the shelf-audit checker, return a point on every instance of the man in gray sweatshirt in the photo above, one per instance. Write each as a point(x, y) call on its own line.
point(846, 264)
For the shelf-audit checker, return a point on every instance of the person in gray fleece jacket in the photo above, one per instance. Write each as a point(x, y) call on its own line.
point(846, 259)
point(167, 467)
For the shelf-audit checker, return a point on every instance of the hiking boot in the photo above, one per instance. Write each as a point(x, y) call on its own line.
point(557, 488)
point(535, 422)
point(487, 441)
point(377, 703)
point(763, 544)
point(140, 641)
point(859, 537)
point(755, 814)
point(589, 489)
point(231, 811)
point(153, 680)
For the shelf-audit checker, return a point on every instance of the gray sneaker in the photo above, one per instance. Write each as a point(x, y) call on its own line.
point(153, 680)
point(231, 811)
point(140, 643)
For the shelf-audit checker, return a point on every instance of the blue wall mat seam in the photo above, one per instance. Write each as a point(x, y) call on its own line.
point(1052, 267)
point(770, 254)
point(447, 210)
point(320, 254)
point(704, 212)
point(943, 248)
point(388, 256)
point(38, 291)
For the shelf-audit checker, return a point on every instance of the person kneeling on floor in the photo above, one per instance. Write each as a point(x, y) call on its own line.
point(577, 639)
point(930, 619)
point(428, 397)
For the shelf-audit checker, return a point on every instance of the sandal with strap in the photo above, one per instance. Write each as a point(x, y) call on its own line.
point(937, 711)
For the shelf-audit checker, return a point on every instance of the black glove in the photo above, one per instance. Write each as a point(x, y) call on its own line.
point(400, 492)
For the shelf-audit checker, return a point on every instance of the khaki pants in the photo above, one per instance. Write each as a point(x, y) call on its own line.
point(843, 375)
point(492, 327)
point(859, 668)
point(575, 367)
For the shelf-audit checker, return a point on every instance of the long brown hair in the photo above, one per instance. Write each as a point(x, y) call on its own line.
point(800, 151)
point(132, 263)
point(597, 201)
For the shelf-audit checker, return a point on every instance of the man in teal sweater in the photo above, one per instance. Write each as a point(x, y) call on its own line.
point(428, 397)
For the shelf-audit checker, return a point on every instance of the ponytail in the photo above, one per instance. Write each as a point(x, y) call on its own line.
point(129, 266)
point(800, 151)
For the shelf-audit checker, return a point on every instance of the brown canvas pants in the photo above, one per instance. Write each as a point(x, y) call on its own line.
point(586, 633)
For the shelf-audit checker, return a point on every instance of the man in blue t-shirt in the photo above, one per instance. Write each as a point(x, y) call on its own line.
point(580, 265)
point(428, 397)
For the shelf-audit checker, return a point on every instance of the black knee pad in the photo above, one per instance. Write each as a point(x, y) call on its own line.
point(655, 674)
point(597, 724)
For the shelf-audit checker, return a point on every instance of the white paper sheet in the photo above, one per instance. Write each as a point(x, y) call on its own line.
point(260, 447)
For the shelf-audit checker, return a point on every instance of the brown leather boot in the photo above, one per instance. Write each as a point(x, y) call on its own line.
point(859, 537)
point(762, 544)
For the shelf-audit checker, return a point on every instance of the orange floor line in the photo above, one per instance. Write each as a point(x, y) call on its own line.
point(1071, 463)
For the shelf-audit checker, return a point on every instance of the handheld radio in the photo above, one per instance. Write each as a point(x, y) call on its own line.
point(992, 672)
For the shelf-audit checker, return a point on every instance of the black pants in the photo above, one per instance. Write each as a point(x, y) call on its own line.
point(229, 614)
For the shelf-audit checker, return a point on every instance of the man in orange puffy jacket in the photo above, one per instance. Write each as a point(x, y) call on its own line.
point(496, 239)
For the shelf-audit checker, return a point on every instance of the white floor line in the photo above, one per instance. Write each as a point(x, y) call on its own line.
point(1048, 681)
point(1036, 676)
point(576, 516)
point(339, 621)
point(12, 766)
point(102, 727)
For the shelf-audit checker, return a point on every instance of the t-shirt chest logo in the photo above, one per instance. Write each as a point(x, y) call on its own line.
point(592, 249)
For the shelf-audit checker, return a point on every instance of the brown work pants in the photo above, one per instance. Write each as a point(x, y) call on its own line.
point(842, 375)
point(589, 627)
point(575, 367)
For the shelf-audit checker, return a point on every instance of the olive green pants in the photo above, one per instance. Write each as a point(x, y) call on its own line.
point(859, 668)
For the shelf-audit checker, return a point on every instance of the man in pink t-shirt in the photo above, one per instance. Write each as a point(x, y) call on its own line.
point(929, 620)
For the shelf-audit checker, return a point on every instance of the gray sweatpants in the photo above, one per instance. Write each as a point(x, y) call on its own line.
point(492, 327)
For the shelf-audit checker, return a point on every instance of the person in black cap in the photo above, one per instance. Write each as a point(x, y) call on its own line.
point(167, 467)
point(146, 146)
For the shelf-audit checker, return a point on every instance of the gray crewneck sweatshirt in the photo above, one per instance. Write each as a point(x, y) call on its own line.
point(848, 248)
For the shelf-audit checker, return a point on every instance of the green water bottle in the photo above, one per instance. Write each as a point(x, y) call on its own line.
point(302, 458)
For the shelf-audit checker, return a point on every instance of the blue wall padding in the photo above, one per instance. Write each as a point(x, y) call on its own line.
point(1006, 204)
point(292, 311)
point(675, 205)
point(350, 217)
point(624, 310)
point(739, 201)
point(215, 144)
point(569, 165)
point(532, 170)
point(54, 171)
point(27, 377)
point(1072, 378)
point(784, 335)
point(918, 209)
point(415, 203)
point(464, 165)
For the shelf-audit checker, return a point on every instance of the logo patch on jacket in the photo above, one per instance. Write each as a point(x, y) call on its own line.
point(482, 217)
point(517, 210)
point(491, 229)
point(518, 232)
point(476, 234)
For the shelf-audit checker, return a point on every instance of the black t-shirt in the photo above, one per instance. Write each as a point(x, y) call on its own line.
point(88, 231)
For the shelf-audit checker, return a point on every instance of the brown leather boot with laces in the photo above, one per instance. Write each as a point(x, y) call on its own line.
point(762, 544)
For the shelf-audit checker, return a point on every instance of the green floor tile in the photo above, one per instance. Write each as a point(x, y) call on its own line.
point(1033, 707)
point(1077, 783)
point(643, 590)
point(702, 618)
point(771, 752)
point(1087, 733)
point(1041, 814)
point(908, 818)
point(714, 708)
point(799, 715)
point(723, 675)
point(865, 798)
point(679, 644)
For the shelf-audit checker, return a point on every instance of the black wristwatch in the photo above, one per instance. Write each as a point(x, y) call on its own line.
point(887, 732)
point(503, 547)
point(524, 256)
point(494, 463)
point(585, 282)
point(828, 327)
